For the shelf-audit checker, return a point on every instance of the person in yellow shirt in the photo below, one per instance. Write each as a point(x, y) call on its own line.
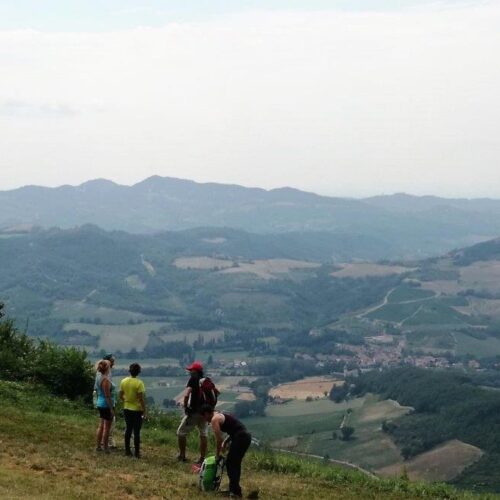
point(132, 393)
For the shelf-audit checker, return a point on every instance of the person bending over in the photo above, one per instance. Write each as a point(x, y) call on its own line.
point(132, 393)
point(239, 441)
point(192, 417)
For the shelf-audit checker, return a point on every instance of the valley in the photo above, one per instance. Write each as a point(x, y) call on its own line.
point(276, 329)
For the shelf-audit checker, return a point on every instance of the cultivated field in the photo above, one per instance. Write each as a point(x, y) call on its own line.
point(265, 269)
point(370, 447)
point(440, 464)
point(191, 336)
point(482, 275)
point(489, 307)
point(405, 293)
point(269, 269)
point(215, 241)
point(75, 310)
point(205, 263)
point(465, 344)
point(134, 281)
point(308, 427)
point(446, 287)
point(119, 337)
point(362, 269)
point(314, 387)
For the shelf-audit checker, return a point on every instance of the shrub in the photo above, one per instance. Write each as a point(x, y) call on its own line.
point(64, 371)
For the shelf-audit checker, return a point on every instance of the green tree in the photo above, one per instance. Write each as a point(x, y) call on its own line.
point(347, 432)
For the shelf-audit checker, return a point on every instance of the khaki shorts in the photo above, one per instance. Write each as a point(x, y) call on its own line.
point(189, 422)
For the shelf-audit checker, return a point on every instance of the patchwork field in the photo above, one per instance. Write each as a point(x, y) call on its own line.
point(191, 336)
point(264, 269)
point(146, 362)
point(362, 269)
point(370, 447)
point(76, 310)
point(314, 387)
point(205, 263)
point(446, 287)
point(489, 307)
point(309, 427)
point(405, 293)
point(481, 348)
point(269, 269)
point(134, 281)
point(119, 337)
point(161, 388)
point(483, 275)
point(443, 463)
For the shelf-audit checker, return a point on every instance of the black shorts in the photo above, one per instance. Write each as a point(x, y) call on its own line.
point(105, 413)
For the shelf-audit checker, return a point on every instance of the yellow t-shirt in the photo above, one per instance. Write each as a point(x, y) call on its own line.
point(131, 387)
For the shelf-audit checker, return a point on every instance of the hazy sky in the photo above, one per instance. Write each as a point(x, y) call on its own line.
point(341, 97)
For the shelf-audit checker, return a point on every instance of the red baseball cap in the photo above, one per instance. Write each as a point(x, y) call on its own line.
point(196, 365)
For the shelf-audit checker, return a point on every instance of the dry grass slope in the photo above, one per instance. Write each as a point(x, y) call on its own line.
point(47, 453)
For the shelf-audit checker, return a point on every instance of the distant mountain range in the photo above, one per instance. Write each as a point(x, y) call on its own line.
point(404, 226)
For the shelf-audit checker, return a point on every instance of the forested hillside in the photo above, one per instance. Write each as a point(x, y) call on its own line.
point(382, 227)
point(51, 275)
point(448, 405)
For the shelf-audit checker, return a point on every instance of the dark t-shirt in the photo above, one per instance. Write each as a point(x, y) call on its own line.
point(194, 402)
point(232, 425)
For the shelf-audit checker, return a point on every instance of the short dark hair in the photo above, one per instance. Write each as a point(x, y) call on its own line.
point(206, 409)
point(134, 369)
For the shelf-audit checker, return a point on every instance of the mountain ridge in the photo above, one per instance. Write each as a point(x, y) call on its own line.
point(411, 227)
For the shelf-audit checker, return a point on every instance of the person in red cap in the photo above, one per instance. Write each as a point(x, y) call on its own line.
point(193, 418)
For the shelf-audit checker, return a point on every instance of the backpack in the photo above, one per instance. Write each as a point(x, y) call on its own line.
point(209, 394)
point(210, 474)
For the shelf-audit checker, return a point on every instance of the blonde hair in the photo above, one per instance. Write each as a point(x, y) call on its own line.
point(103, 366)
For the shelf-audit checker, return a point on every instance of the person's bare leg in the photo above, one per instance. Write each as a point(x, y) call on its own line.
point(182, 440)
point(99, 434)
point(111, 439)
point(105, 433)
point(203, 447)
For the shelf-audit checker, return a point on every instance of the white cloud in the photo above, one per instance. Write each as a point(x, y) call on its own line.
point(341, 103)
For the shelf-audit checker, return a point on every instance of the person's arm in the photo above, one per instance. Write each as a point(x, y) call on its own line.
point(142, 401)
point(187, 394)
point(106, 389)
point(219, 438)
point(121, 395)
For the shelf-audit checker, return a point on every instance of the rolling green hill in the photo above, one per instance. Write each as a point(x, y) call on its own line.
point(58, 281)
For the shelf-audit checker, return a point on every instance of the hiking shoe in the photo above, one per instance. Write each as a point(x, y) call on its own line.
point(181, 459)
point(128, 453)
point(99, 449)
point(235, 495)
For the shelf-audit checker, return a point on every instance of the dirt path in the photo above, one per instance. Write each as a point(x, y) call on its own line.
point(378, 306)
point(400, 324)
point(342, 463)
point(386, 301)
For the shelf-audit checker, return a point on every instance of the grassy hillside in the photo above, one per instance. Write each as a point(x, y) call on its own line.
point(47, 452)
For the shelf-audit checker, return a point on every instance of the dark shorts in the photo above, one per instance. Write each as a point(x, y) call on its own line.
point(105, 413)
